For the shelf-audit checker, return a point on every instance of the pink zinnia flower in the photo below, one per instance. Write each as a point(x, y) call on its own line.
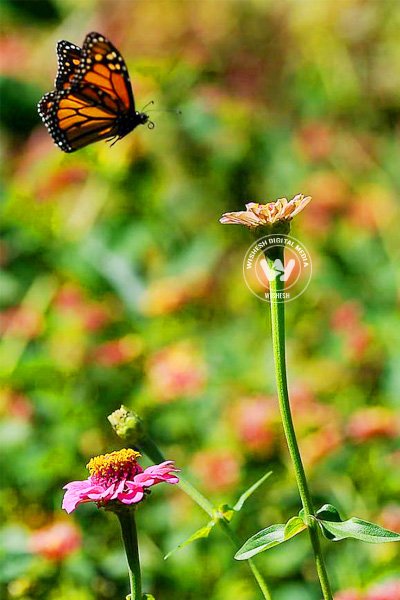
point(117, 477)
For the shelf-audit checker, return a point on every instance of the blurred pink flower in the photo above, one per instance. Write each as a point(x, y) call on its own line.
point(308, 411)
point(16, 404)
point(347, 320)
point(317, 445)
point(21, 321)
point(347, 316)
point(71, 301)
point(253, 419)
point(390, 590)
point(218, 470)
point(372, 422)
point(315, 140)
point(333, 197)
point(117, 478)
point(390, 517)
point(14, 55)
point(60, 181)
point(55, 541)
point(176, 371)
point(348, 595)
point(118, 352)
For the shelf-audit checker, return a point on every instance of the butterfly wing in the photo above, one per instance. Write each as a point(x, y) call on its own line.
point(75, 120)
point(103, 66)
point(93, 99)
point(69, 58)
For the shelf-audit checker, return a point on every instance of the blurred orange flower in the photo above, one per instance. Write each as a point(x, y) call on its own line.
point(165, 296)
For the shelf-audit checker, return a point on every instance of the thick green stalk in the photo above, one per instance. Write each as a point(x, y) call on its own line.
point(152, 451)
point(129, 536)
point(277, 287)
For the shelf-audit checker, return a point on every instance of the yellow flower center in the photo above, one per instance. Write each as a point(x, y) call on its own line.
point(115, 464)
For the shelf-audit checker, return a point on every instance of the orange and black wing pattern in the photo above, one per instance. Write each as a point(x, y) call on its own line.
point(93, 99)
point(69, 58)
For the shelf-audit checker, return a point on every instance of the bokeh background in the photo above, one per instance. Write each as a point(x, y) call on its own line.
point(119, 285)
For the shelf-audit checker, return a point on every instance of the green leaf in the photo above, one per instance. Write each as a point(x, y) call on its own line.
point(335, 529)
point(200, 533)
point(294, 526)
point(239, 504)
point(270, 537)
point(360, 530)
point(328, 512)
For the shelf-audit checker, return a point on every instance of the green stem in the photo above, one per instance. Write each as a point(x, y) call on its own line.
point(152, 451)
point(277, 287)
point(129, 536)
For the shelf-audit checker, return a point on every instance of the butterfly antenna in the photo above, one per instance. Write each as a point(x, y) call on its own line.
point(148, 104)
point(176, 111)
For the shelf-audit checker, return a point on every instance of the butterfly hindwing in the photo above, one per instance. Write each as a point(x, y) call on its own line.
point(75, 121)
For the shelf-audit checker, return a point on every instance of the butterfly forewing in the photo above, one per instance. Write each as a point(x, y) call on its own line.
point(103, 66)
point(69, 58)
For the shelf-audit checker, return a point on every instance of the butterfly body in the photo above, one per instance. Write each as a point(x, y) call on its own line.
point(93, 98)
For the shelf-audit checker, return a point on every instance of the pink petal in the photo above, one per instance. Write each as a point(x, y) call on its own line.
point(157, 474)
point(134, 494)
point(78, 492)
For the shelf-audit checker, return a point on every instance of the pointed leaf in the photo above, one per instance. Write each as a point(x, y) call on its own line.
point(263, 540)
point(360, 530)
point(270, 537)
point(294, 526)
point(239, 504)
point(200, 533)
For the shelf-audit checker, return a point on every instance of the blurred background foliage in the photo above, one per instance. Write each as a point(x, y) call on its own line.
point(119, 285)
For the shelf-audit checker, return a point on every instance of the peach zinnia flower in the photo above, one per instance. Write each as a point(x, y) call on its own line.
point(257, 215)
point(117, 477)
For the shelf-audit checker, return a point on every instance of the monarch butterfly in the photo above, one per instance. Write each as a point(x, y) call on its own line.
point(93, 98)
